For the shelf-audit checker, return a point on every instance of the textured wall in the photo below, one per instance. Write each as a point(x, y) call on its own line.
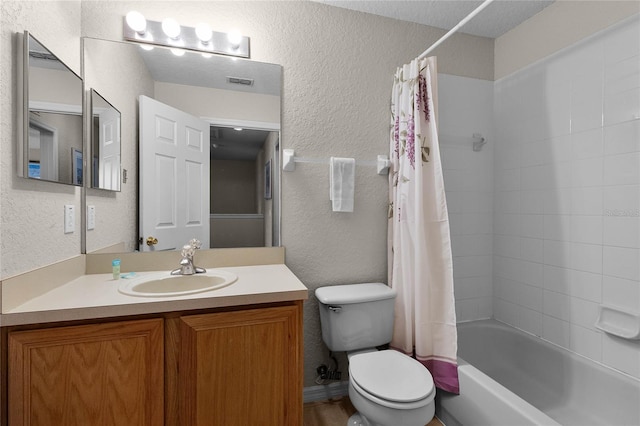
point(31, 212)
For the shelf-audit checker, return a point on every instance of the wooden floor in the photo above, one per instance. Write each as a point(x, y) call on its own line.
point(335, 412)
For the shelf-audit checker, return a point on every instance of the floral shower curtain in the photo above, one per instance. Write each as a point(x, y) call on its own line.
point(419, 246)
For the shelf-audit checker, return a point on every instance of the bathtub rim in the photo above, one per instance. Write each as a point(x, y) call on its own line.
point(555, 345)
point(511, 403)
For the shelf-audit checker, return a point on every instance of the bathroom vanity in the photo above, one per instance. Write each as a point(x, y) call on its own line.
point(232, 356)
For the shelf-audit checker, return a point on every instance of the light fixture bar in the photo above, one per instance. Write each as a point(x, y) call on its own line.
point(188, 40)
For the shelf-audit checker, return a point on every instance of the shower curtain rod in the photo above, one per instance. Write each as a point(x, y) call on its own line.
point(456, 28)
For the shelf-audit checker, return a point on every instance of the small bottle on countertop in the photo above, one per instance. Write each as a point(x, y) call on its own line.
point(116, 269)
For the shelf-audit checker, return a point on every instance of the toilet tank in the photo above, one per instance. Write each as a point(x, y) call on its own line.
point(356, 316)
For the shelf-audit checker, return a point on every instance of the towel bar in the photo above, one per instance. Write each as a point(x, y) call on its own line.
point(289, 160)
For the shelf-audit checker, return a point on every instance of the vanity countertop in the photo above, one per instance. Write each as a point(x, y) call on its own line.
point(97, 296)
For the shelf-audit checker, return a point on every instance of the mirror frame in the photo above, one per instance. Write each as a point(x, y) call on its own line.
point(24, 111)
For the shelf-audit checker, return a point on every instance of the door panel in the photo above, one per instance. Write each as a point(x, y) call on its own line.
point(174, 176)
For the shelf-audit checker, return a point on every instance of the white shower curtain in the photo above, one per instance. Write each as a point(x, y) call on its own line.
point(419, 246)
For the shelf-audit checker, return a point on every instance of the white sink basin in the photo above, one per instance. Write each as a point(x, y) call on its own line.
point(163, 284)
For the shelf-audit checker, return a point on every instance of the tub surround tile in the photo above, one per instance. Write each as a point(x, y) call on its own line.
point(507, 246)
point(622, 231)
point(532, 202)
point(588, 144)
point(623, 355)
point(621, 293)
point(587, 201)
point(621, 262)
point(586, 342)
point(586, 257)
point(568, 149)
point(557, 227)
point(623, 200)
point(532, 249)
point(557, 201)
point(622, 169)
point(556, 331)
point(469, 183)
point(622, 138)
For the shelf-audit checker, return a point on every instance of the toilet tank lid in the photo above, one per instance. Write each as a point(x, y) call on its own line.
point(354, 293)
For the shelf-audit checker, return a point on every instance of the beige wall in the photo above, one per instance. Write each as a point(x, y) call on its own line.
point(31, 211)
point(562, 24)
point(233, 187)
point(215, 103)
point(53, 85)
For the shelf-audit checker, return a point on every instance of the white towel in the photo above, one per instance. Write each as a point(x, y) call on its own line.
point(342, 183)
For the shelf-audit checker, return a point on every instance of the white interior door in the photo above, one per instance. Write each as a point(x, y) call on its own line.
point(174, 176)
point(109, 141)
point(43, 147)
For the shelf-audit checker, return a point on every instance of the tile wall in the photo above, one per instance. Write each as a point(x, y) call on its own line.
point(566, 229)
point(466, 107)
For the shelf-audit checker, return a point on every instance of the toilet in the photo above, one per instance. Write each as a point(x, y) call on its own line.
point(387, 387)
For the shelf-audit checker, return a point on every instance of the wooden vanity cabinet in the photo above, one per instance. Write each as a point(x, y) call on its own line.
point(226, 367)
point(241, 368)
point(96, 374)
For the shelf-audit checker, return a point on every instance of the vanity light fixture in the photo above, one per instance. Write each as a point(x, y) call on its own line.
point(204, 32)
point(171, 28)
point(136, 21)
point(235, 38)
point(169, 33)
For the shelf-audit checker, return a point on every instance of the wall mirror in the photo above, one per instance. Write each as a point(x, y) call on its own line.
point(105, 144)
point(50, 135)
point(238, 100)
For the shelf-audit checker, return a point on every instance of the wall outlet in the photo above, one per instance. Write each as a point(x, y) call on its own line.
point(91, 217)
point(69, 218)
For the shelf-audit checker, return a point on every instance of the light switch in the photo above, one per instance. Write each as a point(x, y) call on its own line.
point(91, 217)
point(69, 218)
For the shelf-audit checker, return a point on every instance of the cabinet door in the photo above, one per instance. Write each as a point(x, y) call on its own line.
point(101, 374)
point(241, 368)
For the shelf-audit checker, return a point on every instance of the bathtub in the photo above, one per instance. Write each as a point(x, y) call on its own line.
point(510, 378)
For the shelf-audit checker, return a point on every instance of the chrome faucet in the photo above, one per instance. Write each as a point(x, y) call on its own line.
point(186, 263)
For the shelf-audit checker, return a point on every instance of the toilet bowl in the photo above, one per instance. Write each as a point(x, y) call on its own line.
point(390, 388)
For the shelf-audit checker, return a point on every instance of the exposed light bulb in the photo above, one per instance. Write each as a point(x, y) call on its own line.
point(177, 52)
point(235, 38)
point(204, 33)
point(238, 129)
point(136, 21)
point(171, 28)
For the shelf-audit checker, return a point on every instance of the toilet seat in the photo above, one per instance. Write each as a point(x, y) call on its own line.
point(391, 379)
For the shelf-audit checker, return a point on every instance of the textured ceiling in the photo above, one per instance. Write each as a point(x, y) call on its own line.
point(498, 18)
